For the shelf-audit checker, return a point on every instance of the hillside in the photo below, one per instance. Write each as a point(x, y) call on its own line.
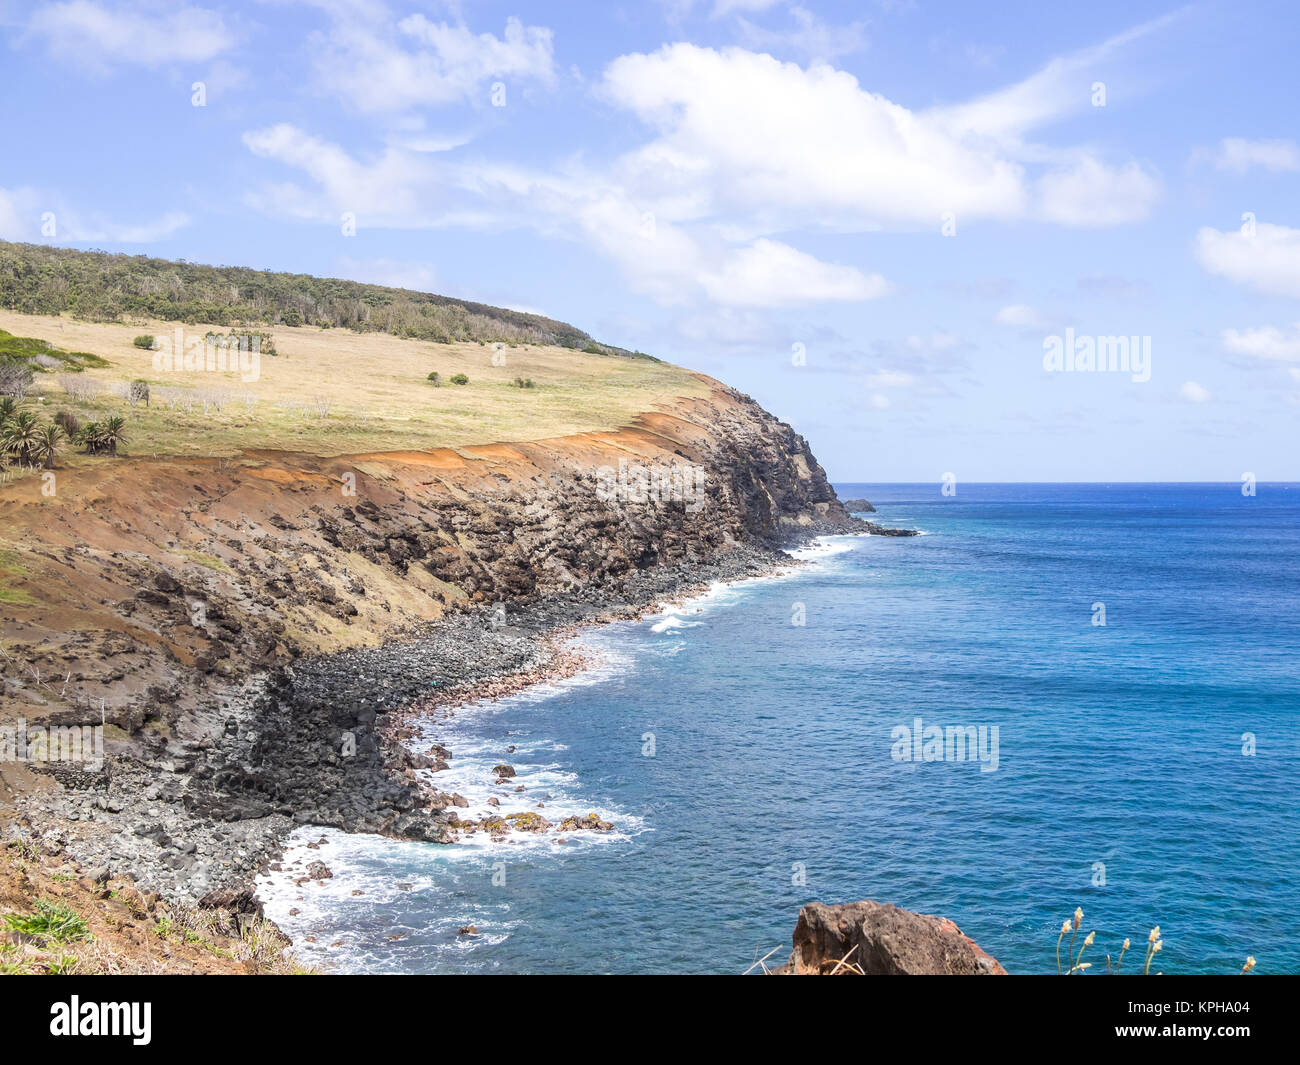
point(333, 392)
point(98, 286)
point(276, 557)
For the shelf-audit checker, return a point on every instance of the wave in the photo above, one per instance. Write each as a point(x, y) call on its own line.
point(371, 873)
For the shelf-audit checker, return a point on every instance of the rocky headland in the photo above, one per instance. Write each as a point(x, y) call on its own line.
point(256, 633)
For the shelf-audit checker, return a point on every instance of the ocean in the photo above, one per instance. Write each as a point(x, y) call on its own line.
point(772, 743)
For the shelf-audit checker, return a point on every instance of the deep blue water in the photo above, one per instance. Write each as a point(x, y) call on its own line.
point(1120, 745)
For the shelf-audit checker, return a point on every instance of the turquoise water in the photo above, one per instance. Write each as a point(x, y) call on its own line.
point(774, 780)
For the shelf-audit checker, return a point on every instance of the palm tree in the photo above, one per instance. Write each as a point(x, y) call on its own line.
point(113, 432)
point(47, 445)
point(8, 408)
point(20, 434)
point(90, 436)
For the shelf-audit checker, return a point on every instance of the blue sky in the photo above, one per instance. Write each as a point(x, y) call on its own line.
point(872, 217)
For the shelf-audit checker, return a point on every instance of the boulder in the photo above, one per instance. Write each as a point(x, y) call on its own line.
point(591, 822)
point(237, 900)
point(882, 940)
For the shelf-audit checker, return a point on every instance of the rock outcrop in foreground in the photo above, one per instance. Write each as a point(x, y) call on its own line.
point(879, 939)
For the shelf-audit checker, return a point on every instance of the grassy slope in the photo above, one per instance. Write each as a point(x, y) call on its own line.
point(374, 385)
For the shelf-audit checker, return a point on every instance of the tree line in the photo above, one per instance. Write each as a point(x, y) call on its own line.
point(98, 286)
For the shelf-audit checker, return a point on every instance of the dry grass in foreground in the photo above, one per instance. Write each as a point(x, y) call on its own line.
point(56, 921)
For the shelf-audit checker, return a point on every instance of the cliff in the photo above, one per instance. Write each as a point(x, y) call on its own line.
point(223, 616)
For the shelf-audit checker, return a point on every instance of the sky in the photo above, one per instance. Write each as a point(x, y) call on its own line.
point(880, 219)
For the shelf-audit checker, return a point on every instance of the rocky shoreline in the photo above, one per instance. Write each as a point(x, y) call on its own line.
point(258, 651)
point(321, 742)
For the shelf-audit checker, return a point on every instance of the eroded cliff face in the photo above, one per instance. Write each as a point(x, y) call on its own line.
point(152, 591)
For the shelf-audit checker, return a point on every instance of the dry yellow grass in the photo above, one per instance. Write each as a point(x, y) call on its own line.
point(372, 385)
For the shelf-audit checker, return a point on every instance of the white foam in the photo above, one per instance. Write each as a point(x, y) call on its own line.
point(824, 547)
point(535, 759)
point(379, 867)
point(369, 875)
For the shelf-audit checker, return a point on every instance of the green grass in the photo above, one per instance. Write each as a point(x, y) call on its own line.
point(52, 922)
point(11, 567)
point(206, 561)
point(28, 348)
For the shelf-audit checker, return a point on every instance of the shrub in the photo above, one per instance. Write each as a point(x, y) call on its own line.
point(81, 389)
point(145, 342)
point(138, 392)
point(523, 382)
point(435, 379)
point(459, 379)
point(242, 339)
point(15, 377)
point(69, 423)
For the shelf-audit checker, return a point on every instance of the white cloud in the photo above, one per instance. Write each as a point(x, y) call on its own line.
point(1266, 342)
point(418, 277)
point(834, 154)
point(1239, 155)
point(890, 379)
point(100, 36)
point(730, 7)
point(1267, 259)
point(26, 212)
point(809, 36)
point(376, 65)
point(19, 214)
point(1194, 393)
point(830, 152)
point(768, 273)
point(1060, 88)
point(400, 189)
point(148, 232)
point(391, 190)
point(1091, 194)
point(935, 342)
point(1018, 315)
point(742, 150)
point(880, 401)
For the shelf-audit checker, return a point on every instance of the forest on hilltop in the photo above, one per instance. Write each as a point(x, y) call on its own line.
point(103, 287)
